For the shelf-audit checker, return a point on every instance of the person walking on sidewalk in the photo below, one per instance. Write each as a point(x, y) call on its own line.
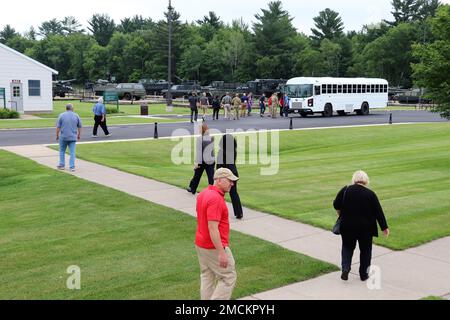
point(217, 265)
point(249, 104)
point(68, 132)
point(227, 159)
point(244, 101)
point(205, 159)
point(99, 111)
point(360, 210)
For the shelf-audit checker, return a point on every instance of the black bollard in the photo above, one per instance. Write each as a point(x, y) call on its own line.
point(291, 126)
point(390, 119)
point(156, 130)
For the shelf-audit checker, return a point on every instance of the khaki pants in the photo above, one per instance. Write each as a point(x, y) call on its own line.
point(227, 109)
point(216, 283)
point(243, 110)
point(236, 112)
point(274, 111)
point(205, 110)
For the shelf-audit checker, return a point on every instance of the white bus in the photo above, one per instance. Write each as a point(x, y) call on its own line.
point(309, 96)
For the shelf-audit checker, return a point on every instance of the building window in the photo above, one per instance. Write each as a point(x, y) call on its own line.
point(34, 88)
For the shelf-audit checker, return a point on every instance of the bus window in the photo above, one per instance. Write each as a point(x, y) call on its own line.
point(329, 89)
point(377, 88)
point(355, 88)
point(324, 89)
point(359, 88)
point(386, 88)
point(372, 88)
point(363, 88)
point(334, 88)
point(317, 90)
point(340, 88)
point(344, 89)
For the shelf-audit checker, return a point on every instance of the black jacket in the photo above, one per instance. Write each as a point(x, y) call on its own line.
point(360, 211)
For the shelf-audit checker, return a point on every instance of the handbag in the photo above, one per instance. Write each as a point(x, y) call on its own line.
point(337, 226)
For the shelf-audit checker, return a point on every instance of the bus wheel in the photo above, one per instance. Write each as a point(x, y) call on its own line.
point(365, 109)
point(342, 113)
point(328, 111)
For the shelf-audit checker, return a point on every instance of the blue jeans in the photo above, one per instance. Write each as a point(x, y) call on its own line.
point(62, 153)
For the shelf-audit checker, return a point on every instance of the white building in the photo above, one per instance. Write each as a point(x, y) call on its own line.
point(26, 83)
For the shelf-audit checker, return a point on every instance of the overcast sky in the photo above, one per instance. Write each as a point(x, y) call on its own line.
point(355, 13)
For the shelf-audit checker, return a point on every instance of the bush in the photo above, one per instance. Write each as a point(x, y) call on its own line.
point(9, 114)
point(110, 110)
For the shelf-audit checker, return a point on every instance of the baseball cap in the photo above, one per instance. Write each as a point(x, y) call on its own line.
point(225, 173)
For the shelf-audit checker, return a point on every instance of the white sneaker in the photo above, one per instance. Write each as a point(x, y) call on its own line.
point(72, 169)
point(109, 135)
point(94, 136)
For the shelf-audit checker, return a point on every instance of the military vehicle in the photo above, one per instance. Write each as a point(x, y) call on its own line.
point(129, 91)
point(183, 90)
point(62, 87)
point(267, 86)
point(410, 96)
point(100, 86)
point(154, 87)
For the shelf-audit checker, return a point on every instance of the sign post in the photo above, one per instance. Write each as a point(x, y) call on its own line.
point(3, 97)
point(109, 96)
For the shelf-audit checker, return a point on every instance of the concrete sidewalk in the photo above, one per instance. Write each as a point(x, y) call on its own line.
point(411, 274)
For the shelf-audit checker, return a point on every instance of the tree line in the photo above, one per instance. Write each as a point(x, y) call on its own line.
point(208, 49)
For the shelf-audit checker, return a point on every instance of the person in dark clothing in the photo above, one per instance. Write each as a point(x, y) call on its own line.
point(193, 103)
point(262, 105)
point(227, 159)
point(205, 159)
point(99, 111)
point(216, 107)
point(360, 210)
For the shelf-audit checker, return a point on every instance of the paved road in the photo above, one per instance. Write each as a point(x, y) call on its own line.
point(120, 132)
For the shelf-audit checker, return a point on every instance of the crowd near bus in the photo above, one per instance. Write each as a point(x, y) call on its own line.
point(302, 96)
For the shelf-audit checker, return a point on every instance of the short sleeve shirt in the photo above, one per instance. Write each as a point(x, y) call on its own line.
point(211, 206)
point(69, 122)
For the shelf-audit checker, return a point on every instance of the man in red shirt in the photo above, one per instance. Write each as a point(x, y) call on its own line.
point(217, 265)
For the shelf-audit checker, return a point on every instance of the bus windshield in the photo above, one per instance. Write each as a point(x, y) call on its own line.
point(299, 90)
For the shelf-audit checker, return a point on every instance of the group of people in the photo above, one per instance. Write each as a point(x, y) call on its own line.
point(357, 205)
point(239, 106)
point(206, 162)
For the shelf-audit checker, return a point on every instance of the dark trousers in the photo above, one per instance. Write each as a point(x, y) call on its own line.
point(209, 168)
point(194, 114)
point(216, 114)
point(98, 122)
point(234, 195)
point(262, 108)
point(365, 247)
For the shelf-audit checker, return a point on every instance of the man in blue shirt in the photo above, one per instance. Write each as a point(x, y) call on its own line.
point(99, 111)
point(68, 132)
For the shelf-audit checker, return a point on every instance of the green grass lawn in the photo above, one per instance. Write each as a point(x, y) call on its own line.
point(51, 123)
point(127, 248)
point(408, 165)
point(84, 109)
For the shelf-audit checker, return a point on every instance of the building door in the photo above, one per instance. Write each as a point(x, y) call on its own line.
point(17, 97)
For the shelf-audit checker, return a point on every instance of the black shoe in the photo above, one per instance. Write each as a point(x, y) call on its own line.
point(344, 275)
point(239, 217)
point(364, 277)
point(188, 189)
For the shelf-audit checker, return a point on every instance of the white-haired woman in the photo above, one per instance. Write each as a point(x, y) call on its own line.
point(360, 210)
point(99, 111)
